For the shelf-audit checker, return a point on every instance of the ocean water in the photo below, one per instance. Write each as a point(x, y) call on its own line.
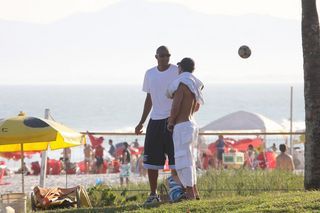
point(119, 107)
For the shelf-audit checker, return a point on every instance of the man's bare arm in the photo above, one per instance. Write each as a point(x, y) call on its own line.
point(176, 105)
point(146, 110)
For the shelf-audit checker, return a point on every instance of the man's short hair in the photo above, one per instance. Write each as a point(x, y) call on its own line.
point(186, 64)
point(283, 147)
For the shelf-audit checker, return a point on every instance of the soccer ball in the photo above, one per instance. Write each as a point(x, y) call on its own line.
point(244, 51)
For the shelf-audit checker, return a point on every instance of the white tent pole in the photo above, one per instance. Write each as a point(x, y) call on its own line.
point(44, 157)
point(291, 106)
point(22, 167)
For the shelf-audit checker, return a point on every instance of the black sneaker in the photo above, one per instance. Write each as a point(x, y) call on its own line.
point(152, 199)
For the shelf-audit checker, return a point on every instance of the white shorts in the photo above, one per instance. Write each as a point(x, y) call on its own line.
point(187, 176)
point(185, 136)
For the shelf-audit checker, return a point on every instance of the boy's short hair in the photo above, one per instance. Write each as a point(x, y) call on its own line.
point(186, 64)
point(282, 147)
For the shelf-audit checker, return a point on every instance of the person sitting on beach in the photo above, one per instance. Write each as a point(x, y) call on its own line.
point(87, 151)
point(125, 164)
point(98, 153)
point(220, 144)
point(24, 169)
point(284, 161)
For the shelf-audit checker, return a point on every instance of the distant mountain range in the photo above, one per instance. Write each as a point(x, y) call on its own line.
point(117, 45)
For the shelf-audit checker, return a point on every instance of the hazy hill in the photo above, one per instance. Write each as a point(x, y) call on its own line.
point(118, 43)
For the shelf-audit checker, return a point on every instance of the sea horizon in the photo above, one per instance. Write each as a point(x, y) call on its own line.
point(102, 107)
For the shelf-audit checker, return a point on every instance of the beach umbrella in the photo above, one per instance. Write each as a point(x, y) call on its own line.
point(24, 133)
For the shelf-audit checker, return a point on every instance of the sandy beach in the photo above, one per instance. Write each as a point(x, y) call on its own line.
point(60, 181)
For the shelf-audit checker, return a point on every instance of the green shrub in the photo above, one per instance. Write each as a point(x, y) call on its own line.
point(102, 195)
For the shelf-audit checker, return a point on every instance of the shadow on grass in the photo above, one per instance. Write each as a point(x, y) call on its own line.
point(131, 207)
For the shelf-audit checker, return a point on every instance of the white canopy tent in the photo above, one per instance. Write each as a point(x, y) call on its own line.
point(243, 121)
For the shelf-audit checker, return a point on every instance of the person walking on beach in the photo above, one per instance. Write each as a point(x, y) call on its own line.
point(98, 153)
point(125, 164)
point(67, 158)
point(187, 97)
point(250, 158)
point(112, 150)
point(87, 151)
point(220, 144)
point(284, 161)
point(158, 141)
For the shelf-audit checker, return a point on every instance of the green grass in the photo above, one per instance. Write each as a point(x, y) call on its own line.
point(263, 202)
point(244, 182)
point(216, 183)
point(222, 191)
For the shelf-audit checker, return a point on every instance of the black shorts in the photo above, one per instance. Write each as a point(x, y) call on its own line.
point(220, 152)
point(157, 145)
point(99, 161)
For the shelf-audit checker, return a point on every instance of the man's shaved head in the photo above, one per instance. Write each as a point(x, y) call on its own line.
point(162, 49)
point(163, 57)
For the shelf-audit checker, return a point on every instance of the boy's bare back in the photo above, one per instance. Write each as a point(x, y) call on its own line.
point(184, 100)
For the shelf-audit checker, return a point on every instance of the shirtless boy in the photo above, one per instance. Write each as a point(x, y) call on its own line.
point(187, 97)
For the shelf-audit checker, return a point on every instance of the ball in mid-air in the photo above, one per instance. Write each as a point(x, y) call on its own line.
point(244, 51)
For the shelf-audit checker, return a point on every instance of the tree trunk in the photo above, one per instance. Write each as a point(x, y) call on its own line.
point(311, 65)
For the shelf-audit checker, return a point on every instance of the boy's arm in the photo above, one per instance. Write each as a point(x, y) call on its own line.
point(197, 107)
point(176, 106)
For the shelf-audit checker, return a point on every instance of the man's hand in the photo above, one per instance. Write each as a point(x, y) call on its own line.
point(138, 129)
point(170, 127)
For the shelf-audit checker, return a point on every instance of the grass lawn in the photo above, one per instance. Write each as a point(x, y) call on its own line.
point(221, 191)
point(262, 202)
